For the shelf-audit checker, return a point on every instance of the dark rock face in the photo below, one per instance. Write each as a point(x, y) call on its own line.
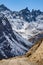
point(4, 43)
point(36, 38)
point(3, 8)
point(25, 13)
point(11, 44)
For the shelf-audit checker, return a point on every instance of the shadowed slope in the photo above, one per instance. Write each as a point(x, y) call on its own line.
point(36, 57)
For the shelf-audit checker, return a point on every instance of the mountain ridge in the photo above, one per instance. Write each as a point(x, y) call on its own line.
point(11, 43)
point(15, 31)
point(33, 57)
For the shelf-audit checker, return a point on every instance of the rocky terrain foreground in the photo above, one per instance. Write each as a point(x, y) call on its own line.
point(33, 57)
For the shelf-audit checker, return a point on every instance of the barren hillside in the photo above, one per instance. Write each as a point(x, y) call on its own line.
point(33, 57)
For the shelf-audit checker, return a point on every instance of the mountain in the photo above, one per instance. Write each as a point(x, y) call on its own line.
point(25, 22)
point(35, 38)
point(33, 57)
point(16, 28)
point(29, 23)
point(11, 43)
point(36, 53)
point(3, 8)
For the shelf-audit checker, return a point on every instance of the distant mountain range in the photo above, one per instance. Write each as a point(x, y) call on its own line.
point(16, 28)
point(24, 22)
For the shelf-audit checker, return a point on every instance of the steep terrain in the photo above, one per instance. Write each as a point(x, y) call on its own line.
point(26, 23)
point(16, 28)
point(11, 43)
point(36, 53)
point(33, 57)
point(37, 37)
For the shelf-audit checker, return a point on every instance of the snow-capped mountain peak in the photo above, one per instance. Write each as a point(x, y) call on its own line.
point(11, 43)
point(3, 8)
point(24, 22)
point(14, 27)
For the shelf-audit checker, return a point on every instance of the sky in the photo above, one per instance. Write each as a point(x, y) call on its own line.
point(16, 5)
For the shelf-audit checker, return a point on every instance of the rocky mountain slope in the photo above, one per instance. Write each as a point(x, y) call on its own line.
point(16, 28)
point(27, 23)
point(11, 43)
point(36, 53)
point(33, 57)
point(37, 37)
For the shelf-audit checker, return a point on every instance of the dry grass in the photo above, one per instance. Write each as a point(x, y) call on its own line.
point(33, 57)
